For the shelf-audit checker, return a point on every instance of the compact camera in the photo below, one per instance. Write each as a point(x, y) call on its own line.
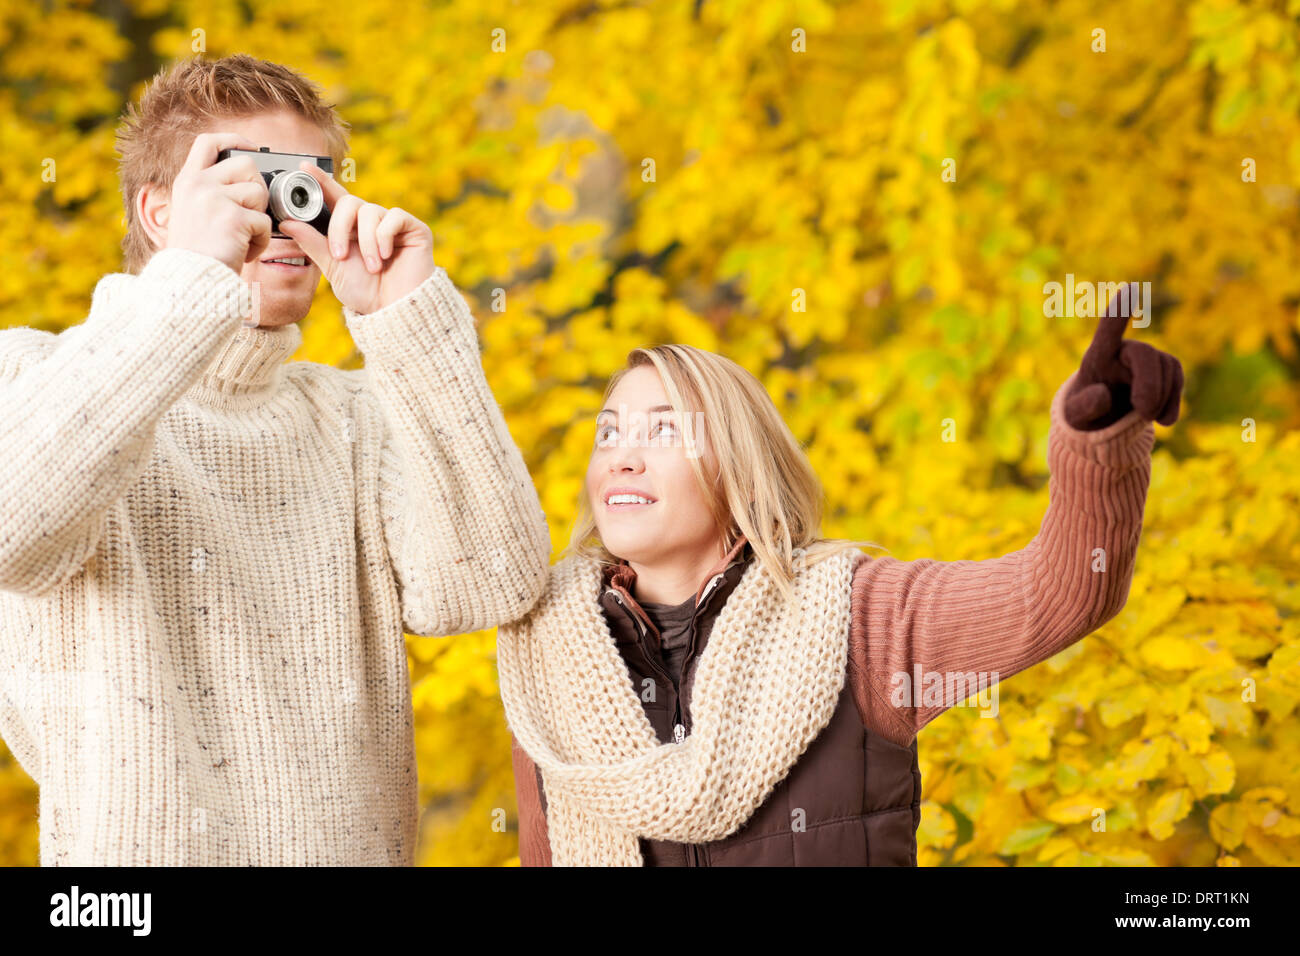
point(294, 194)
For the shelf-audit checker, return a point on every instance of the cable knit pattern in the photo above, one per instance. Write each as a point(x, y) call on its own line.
point(208, 555)
point(765, 687)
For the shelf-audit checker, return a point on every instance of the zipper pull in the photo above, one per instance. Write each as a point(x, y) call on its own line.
point(639, 623)
point(679, 733)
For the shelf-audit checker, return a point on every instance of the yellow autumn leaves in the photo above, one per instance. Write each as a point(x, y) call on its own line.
point(799, 220)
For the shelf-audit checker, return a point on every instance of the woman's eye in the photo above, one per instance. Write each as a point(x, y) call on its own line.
point(608, 434)
point(671, 429)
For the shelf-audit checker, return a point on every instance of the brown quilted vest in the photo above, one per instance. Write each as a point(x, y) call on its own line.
point(860, 795)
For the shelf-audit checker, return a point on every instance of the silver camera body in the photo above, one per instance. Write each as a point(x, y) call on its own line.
point(293, 193)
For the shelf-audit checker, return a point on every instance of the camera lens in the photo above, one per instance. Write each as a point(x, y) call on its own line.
point(295, 195)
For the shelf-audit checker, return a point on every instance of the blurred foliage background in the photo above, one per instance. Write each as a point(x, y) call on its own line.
point(634, 172)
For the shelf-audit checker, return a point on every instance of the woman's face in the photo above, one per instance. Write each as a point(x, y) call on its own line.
point(640, 451)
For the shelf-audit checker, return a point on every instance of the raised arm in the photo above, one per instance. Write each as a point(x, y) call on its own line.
point(78, 410)
point(464, 526)
point(961, 619)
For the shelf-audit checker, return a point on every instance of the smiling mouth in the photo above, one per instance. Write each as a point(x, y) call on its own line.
point(287, 262)
point(622, 502)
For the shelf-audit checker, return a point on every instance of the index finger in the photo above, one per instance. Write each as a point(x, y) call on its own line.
point(1110, 328)
point(206, 146)
point(331, 187)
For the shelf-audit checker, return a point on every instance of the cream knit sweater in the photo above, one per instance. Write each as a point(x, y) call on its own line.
point(208, 557)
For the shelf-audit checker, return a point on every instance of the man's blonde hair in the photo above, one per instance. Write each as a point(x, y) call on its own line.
point(752, 470)
point(182, 100)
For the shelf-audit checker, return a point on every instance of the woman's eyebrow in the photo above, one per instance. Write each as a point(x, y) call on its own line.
point(656, 408)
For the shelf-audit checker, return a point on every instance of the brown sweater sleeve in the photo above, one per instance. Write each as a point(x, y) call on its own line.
point(1002, 615)
point(534, 841)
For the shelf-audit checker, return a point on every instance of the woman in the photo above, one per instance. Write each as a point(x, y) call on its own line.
point(707, 681)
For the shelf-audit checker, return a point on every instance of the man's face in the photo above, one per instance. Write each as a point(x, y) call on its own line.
point(285, 291)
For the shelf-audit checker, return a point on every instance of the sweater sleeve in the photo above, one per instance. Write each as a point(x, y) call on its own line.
point(78, 410)
point(534, 836)
point(996, 617)
point(463, 524)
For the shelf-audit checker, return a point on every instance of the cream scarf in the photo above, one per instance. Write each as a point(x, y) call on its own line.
point(766, 685)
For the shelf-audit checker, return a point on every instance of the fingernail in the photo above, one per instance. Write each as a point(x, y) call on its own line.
point(337, 250)
point(372, 262)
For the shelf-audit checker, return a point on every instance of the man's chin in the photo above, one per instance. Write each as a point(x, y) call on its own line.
point(282, 300)
point(274, 314)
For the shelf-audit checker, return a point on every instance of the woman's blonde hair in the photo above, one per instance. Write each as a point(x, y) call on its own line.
point(758, 480)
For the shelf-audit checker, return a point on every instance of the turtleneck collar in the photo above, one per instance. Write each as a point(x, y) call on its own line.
point(248, 368)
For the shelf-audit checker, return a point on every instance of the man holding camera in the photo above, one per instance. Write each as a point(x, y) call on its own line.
point(208, 555)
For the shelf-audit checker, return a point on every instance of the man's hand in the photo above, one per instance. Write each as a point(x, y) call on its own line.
point(373, 256)
point(1117, 376)
point(219, 210)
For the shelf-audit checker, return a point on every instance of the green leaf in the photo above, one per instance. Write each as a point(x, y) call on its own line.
point(1026, 838)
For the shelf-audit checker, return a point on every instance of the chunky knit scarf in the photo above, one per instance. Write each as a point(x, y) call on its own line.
point(765, 687)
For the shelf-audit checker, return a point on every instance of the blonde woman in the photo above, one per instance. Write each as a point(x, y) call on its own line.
point(709, 682)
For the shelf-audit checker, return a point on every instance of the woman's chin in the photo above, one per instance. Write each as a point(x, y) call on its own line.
point(624, 550)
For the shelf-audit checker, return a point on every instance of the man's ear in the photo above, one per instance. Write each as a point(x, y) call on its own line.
point(152, 208)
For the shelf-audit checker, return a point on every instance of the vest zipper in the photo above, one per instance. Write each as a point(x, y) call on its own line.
point(679, 726)
point(716, 578)
point(663, 674)
point(690, 654)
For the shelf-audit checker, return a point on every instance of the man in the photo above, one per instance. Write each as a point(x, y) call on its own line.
point(208, 555)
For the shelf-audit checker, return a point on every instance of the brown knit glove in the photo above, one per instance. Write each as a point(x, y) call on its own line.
point(1116, 376)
